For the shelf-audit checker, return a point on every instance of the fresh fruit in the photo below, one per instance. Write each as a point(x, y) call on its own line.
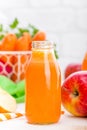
point(71, 68)
point(7, 84)
point(20, 88)
point(74, 93)
point(20, 99)
point(19, 92)
point(84, 62)
point(7, 102)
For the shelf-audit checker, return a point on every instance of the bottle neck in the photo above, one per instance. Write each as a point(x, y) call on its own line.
point(43, 49)
point(42, 45)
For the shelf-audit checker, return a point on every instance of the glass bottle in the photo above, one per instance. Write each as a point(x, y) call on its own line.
point(43, 85)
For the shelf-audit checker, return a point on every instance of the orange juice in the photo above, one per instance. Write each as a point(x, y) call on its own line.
point(43, 81)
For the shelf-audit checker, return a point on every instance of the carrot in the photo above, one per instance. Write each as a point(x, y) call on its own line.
point(84, 62)
point(39, 36)
point(29, 40)
point(8, 42)
point(23, 43)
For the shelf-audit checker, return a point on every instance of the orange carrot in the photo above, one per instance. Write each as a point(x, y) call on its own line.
point(23, 43)
point(39, 36)
point(8, 42)
point(29, 40)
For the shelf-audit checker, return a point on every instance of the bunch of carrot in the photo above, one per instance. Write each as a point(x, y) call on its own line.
point(21, 40)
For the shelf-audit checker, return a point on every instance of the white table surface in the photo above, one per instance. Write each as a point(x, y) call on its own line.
point(67, 122)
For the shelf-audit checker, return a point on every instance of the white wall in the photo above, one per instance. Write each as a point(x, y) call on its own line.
point(65, 22)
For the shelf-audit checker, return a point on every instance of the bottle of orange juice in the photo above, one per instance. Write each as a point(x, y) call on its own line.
point(43, 85)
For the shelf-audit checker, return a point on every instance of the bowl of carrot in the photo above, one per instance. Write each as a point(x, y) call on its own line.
point(15, 49)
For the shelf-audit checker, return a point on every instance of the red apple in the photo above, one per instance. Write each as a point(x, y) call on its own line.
point(71, 68)
point(74, 93)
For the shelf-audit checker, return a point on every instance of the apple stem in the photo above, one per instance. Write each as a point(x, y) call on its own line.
point(75, 93)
